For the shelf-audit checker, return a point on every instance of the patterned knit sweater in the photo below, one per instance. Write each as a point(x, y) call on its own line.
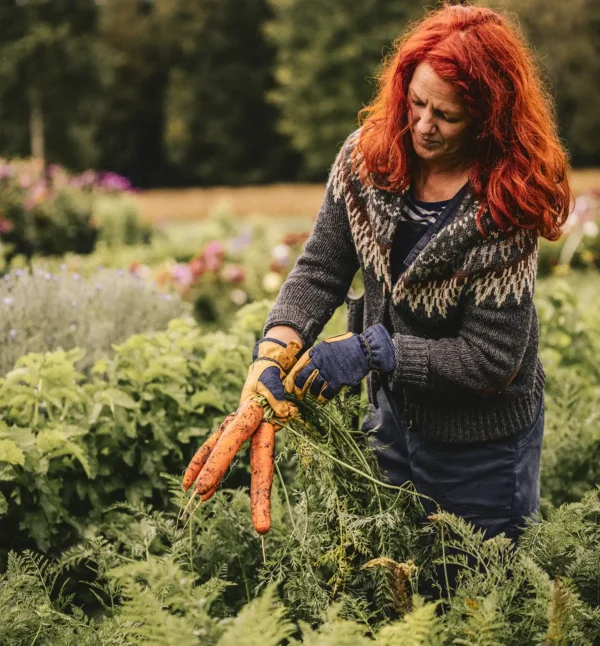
point(465, 329)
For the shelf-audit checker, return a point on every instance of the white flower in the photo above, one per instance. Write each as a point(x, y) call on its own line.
point(590, 228)
point(271, 282)
point(239, 296)
point(281, 253)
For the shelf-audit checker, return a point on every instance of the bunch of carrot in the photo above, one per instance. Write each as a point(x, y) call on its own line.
point(212, 459)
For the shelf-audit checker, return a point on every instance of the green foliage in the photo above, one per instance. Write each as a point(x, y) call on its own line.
point(325, 52)
point(118, 220)
point(217, 128)
point(149, 584)
point(420, 627)
point(569, 345)
point(38, 218)
point(73, 447)
point(51, 78)
point(90, 443)
point(261, 622)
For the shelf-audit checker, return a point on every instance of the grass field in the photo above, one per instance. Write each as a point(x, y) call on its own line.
point(277, 200)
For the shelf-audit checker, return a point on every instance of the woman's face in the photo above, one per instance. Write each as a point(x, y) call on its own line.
point(438, 121)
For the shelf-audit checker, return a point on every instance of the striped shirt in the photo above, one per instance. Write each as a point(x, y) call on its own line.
point(417, 217)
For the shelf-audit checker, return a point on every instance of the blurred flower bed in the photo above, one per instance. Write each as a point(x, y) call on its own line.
point(46, 211)
point(228, 273)
point(579, 247)
point(220, 264)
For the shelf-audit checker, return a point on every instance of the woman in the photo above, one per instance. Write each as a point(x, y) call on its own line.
point(439, 198)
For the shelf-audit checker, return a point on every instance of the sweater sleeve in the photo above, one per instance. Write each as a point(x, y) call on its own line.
point(322, 275)
point(486, 354)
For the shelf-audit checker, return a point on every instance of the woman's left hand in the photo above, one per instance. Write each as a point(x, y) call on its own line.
point(339, 361)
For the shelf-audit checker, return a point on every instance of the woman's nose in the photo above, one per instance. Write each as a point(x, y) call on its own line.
point(425, 124)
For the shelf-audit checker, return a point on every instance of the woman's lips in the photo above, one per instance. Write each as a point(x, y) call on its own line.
point(426, 142)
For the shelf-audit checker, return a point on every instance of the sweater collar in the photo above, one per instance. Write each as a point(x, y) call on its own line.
point(455, 238)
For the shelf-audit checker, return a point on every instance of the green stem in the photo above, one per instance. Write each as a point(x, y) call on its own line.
point(285, 493)
point(445, 568)
point(355, 470)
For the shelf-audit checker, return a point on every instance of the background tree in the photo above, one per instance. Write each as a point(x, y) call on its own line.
point(50, 75)
point(566, 39)
point(219, 127)
point(130, 130)
point(326, 51)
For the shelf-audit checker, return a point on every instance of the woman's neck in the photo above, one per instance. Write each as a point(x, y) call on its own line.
point(437, 185)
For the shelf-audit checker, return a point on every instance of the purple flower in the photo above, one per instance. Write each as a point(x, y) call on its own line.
point(114, 182)
point(242, 241)
point(9, 300)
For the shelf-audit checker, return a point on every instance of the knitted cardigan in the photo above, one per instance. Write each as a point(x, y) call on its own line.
point(465, 329)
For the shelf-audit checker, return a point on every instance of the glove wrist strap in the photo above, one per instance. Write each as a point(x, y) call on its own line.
point(284, 355)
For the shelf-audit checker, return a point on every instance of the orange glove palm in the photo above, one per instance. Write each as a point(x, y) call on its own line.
point(272, 360)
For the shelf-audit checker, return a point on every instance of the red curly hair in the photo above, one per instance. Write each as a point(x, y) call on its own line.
point(520, 166)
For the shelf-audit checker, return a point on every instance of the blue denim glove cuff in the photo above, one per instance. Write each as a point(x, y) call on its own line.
point(379, 348)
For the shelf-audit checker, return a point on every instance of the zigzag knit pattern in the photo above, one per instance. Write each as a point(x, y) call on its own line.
point(496, 268)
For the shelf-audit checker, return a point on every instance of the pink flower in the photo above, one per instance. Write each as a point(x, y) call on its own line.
point(212, 255)
point(212, 263)
point(25, 181)
point(234, 273)
point(5, 225)
point(39, 192)
point(182, 274)
point(215, 248)
point(197, 266)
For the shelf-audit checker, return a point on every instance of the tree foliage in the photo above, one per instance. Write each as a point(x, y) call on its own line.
point(566, 39)
point(51, 74)
point(181, 92)
point(326, 52)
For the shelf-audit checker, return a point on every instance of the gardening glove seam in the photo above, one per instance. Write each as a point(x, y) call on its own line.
point(271, 360)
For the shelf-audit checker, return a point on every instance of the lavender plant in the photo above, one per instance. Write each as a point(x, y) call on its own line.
point(42, 311)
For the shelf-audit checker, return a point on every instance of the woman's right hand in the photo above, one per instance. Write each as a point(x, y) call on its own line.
point(272, 361)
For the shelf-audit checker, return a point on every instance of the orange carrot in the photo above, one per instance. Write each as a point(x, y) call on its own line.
point(201, 455)
point(249, 415)
point(262, 467)
point(206, 496)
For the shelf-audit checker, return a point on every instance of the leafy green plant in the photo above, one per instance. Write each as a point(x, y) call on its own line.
point(87, 443)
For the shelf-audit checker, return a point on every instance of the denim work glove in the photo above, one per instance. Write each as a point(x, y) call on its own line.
point(340, 361)
point(271, 361)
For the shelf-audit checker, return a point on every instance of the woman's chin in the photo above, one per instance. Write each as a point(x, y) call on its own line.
point(427, 153)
